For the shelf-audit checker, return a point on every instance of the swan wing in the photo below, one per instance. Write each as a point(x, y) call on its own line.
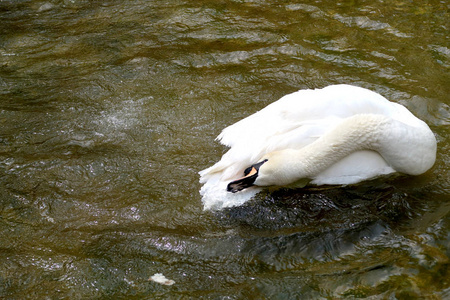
point(311, 107)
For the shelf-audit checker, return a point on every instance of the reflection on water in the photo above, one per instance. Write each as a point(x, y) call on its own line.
point(109, 109)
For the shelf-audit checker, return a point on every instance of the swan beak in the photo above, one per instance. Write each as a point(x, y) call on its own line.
point(251, 173)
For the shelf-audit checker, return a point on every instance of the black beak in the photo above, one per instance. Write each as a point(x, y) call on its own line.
point(250, 175)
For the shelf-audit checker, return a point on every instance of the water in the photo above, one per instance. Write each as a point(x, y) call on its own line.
point(108, 110)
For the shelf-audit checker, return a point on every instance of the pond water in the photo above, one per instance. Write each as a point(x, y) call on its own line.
point(108, 110)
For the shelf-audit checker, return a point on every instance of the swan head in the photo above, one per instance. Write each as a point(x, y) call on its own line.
point(250, 175)
point(279, 168)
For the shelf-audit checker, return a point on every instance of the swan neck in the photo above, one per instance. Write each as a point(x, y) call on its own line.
point(362, 132)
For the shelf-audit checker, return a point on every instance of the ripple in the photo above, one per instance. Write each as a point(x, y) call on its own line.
point(109, 110)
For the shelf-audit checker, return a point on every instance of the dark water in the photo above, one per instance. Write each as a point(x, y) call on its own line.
point(108, 109)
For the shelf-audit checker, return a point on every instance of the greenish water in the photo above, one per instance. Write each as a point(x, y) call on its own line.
point(108, 109)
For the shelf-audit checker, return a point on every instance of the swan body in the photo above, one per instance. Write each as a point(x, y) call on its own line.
point(340, 134)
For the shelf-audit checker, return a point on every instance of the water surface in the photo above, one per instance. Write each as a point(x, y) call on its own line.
point(108, 110)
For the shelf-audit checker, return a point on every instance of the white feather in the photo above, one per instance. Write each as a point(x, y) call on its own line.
point(301, 119)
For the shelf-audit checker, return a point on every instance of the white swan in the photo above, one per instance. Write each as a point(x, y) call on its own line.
point(340, 134)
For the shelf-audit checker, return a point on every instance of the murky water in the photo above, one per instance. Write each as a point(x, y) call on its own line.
point(108, 110)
